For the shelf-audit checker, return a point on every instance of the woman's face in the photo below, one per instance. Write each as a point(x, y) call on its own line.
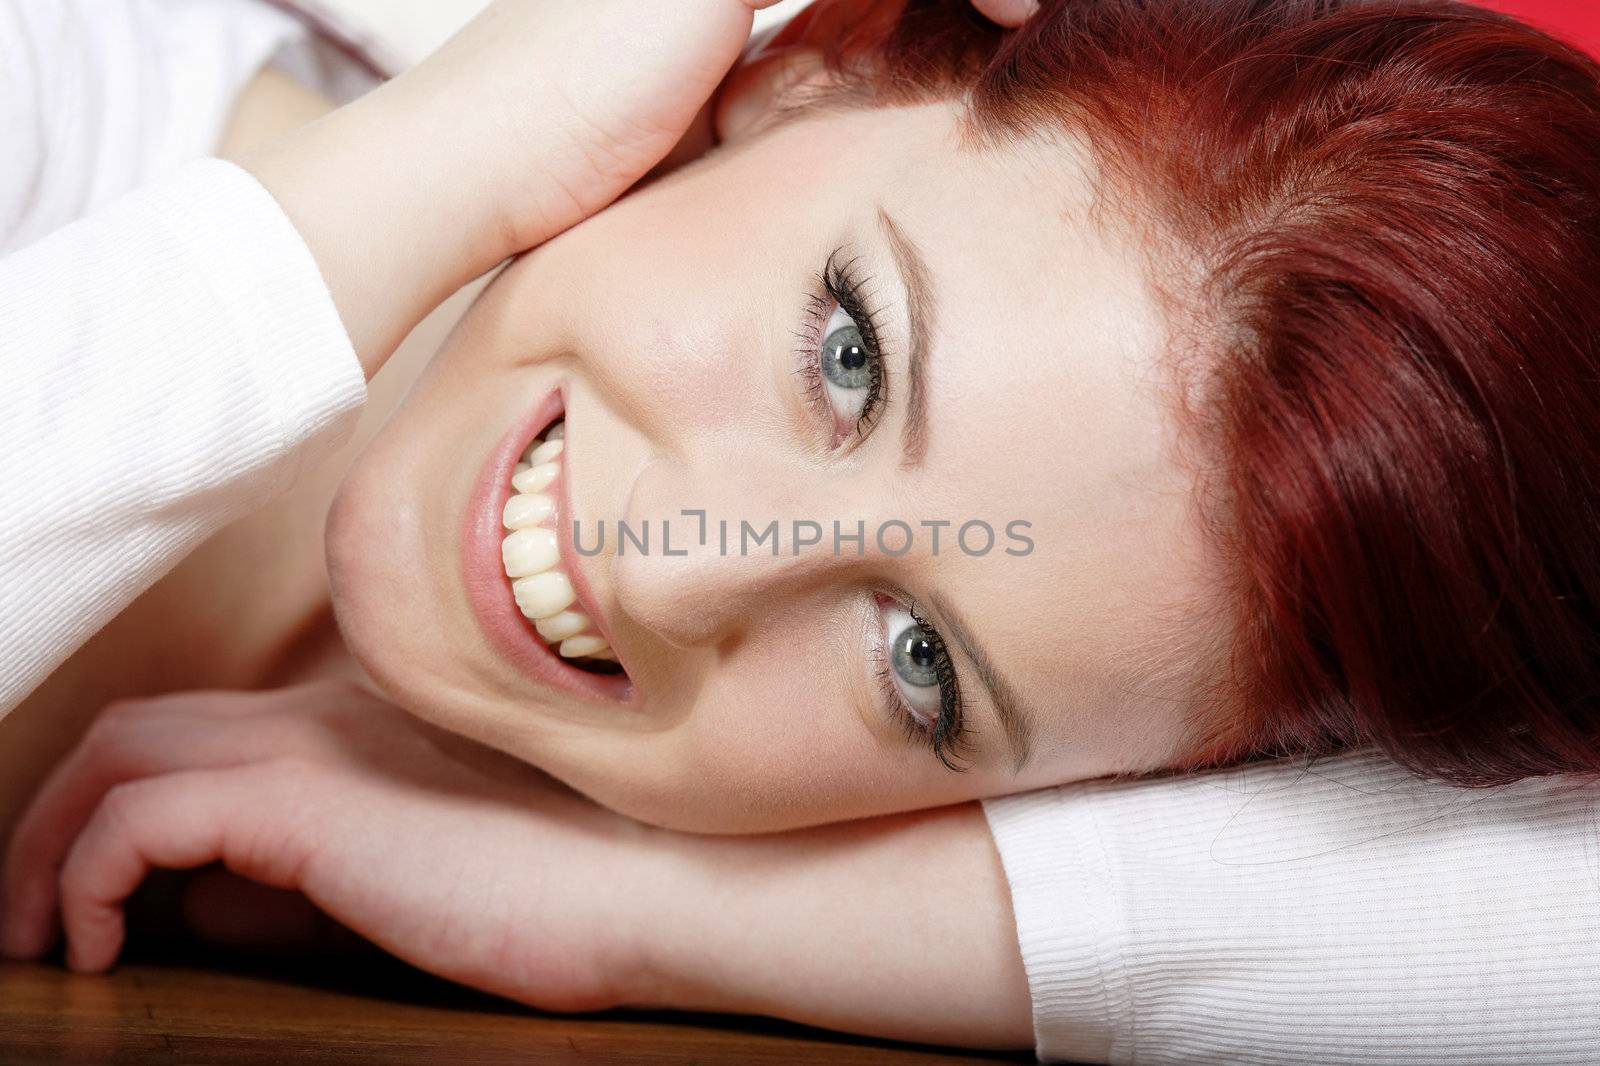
point(849, 319)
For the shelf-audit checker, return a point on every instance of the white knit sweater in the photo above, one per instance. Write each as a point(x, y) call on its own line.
point(1336, 912)
point(174, 357)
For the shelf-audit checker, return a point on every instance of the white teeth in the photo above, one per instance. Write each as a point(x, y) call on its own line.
point(559, 627)
point(543, 595)
point(529, 551)
point(536, 478)
point(532, 555)
point(578, 647)
point(547, 452)
point(526, 510)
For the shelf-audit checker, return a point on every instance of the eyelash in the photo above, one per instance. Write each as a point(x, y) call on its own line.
point(947, 736)
point(842, 284)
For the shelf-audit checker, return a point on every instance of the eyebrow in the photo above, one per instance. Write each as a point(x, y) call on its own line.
point(921, 309)
point(1015, 721)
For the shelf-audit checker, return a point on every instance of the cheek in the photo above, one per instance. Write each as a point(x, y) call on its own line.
point(746, 760)
point(776, 742)
point(737, 758)
point(664, 297)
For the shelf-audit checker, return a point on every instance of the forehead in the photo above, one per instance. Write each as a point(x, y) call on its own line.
point(1048, 403)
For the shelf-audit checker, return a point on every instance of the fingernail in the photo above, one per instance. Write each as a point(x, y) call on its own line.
point(80, 960)
point(1019, 12)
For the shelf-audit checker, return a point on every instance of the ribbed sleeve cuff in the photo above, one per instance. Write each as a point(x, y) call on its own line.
point(1337, 911)
point(170, 362)
point(273, 298)
point(1069, 922)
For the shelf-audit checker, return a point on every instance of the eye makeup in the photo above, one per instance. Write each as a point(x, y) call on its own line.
point(840, 361)
point(917, 680)
point(840, 355)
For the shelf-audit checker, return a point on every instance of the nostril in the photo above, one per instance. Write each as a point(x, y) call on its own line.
point(688, 601)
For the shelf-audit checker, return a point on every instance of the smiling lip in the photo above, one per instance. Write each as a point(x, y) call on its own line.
point(484, 573)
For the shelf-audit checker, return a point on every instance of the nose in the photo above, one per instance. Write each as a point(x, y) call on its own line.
point(696, 557)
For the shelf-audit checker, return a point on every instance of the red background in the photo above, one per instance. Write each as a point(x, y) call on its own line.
point(1577, 21)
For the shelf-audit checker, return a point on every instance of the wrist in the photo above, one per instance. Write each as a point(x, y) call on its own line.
point(672, 955)
point(897, 927)
point(392, 225)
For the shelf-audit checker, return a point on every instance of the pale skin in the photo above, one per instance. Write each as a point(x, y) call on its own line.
point(758, 704)
point(320, 789)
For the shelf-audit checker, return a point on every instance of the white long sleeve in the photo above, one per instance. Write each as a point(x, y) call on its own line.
point(168, 363)
point(170, 358)
point(1348, 913)
point(101, 97)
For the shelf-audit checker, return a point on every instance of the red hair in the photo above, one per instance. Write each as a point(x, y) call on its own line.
point(1384, 218)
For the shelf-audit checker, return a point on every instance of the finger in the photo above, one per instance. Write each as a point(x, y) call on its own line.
point(178, 821)
point(125, 744)
point(140, 738)
point(1007, 12)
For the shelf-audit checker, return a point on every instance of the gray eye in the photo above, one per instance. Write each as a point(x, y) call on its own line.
point(844, 358)
point(913, 657)
point(846, 366)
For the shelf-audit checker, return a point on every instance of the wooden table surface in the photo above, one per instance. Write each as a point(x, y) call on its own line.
point(180, 1012)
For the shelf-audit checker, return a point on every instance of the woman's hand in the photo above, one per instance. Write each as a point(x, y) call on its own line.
point(467, 863)
point(1007, 12)
point(536, 115)
point(576, 102)
point(480, 869)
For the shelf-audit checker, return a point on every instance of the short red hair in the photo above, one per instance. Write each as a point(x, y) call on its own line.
point(1389, 214)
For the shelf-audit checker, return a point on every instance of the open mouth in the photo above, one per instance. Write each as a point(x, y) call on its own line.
point(531, 553)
